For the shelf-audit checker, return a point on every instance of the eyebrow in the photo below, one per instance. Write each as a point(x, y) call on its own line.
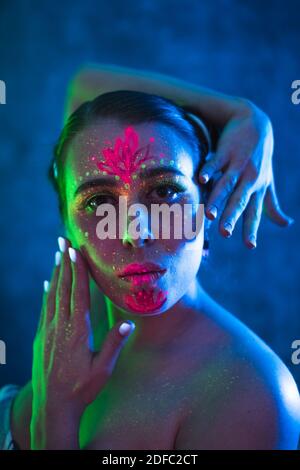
point(144, 174)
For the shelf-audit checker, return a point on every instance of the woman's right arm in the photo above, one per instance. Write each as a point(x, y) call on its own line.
point(91, 80)
point(243, 140)
point(66, 375)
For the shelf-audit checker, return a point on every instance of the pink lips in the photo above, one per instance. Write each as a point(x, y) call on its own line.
point(145, 296)
point(140, 273)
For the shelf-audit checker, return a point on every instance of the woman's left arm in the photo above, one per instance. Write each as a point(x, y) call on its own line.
point(244, 148)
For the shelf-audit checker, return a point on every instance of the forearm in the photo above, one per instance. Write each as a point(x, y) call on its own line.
point(216, 108)
point(57, 429)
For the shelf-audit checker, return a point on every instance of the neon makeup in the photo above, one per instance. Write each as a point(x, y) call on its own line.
point(109, 160)
point(126, 157)
point(146, 300)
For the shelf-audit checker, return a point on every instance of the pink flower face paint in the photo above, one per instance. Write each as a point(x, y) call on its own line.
point(146, 300)
point(126, 157)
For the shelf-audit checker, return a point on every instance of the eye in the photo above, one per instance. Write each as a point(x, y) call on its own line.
point(93, 202)
point(169, 191)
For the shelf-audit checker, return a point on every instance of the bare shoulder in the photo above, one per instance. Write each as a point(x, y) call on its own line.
point(245, 397)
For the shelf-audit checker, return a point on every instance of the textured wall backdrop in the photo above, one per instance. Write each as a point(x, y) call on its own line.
point(247, 48)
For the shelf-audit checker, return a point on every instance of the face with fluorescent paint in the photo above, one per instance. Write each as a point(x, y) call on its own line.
point(146, 163)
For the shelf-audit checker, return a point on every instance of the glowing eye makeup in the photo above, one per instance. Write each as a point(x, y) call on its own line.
point(91, 204)
point(163, 190)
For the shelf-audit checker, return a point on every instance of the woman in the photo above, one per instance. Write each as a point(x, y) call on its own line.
point(190, 375)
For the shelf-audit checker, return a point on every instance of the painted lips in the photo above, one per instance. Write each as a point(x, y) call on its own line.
point(142, 273)
point(138, 279)
point(147, 297)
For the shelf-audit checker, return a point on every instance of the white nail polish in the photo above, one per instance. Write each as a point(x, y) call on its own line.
point(72, 254)
point(62, 244)
point(57, 258)
point(46, 286)
point(124, 329)
point(205, 177)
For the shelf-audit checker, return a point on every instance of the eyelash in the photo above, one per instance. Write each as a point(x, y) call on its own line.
point(178, 188)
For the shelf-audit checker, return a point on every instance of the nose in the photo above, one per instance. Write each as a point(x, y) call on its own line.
point(137, 232)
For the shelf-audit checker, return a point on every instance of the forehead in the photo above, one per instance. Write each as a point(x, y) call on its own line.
point(107, 142)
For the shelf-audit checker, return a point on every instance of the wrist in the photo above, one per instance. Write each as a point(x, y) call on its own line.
point(55, 428)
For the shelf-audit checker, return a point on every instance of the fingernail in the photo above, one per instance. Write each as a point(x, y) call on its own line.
point(62, 244)
point(46, 286)
point(126, 327)
point(213, 211)
point(57, 258)
point(72, 254)
point(204, 177)
point(228, 228)
point(252, 241)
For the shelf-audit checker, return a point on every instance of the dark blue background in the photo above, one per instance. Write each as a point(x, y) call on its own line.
point(246, 48)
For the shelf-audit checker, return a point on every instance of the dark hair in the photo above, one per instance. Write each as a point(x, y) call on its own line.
point(131, 107)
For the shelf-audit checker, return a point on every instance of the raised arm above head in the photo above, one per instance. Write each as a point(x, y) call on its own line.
point(242, 138)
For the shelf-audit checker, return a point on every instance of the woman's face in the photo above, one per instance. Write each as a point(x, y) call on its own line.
point(147, 164)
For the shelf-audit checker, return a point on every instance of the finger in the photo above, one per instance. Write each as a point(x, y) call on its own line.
point(80, 293)
point(252, 218)
point(48, 303)
point(234, 208)
point(43, 309)
point(64, 282)
point(222, 190)
point(104, 360)
point(273, 210)
point(215, 163)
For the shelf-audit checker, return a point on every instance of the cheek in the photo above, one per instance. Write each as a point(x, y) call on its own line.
point(184, 255)
point(100, 253)
point(80, 228)
point(103, 256)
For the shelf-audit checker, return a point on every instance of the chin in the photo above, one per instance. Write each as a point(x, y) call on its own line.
point(146, 302)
